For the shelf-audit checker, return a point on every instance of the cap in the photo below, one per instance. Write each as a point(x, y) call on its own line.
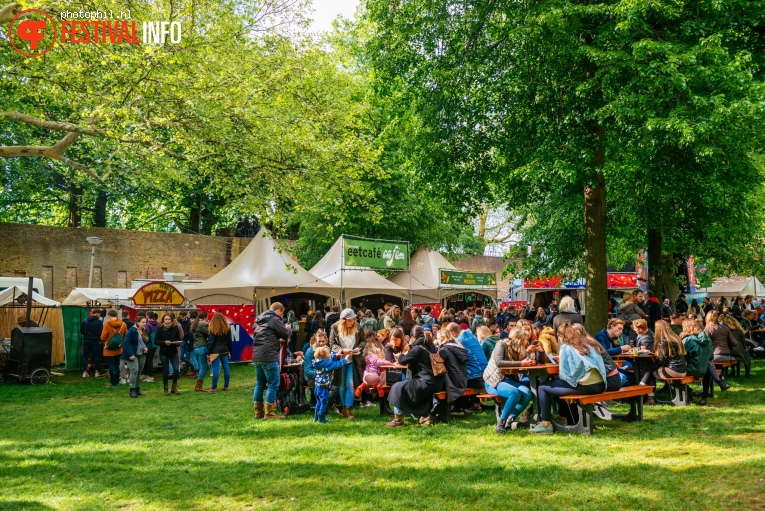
point(347, 314)
point(464, 326)
point(427, 327)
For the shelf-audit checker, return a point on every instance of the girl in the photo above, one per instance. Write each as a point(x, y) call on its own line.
point(670, 353)
point(168, 339)
point(614, 379)
point(199, 331)
point(219, 347)
point(510, 352)
point(395, 347)
point(372, 371)
point(346, 337)
point(581, 372)
point(698, 350)
point(324, 365)
point(739, 352)
point(134, 354)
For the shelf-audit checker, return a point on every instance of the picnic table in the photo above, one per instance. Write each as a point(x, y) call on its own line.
point(640, 362)
point(384, 405)
point(535, 373)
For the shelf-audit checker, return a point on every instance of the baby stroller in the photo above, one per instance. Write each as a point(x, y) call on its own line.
point(290, 398)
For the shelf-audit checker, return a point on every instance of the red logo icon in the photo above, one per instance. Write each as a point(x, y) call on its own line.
point(31, 33)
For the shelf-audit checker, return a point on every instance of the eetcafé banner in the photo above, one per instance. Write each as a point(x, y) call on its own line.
point(375, 254)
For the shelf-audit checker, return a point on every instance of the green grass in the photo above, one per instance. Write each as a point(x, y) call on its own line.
point(78, 445)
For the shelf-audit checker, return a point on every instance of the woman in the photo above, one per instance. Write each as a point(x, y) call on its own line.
point(407, 322)
point(614, 378)
point(510, 352)
point(369, 322)
point(345, 338)
point(722, 340)
point(383, 337)
point(738, 307)
point(395, 347)
point(694, 308)
point(455, 358)
point(200, 333)
point(168, 339)
point(566, 312)
point(753, 328)
point(698, 353)
point(134, 354)
point(581, 372)
point(488, 338)
point(541, 317)
point(739, 352)
point(219, 346)
point(669, 352)
point(415, 396)
point(292, 321)
point(309, 331)
point(318, 322)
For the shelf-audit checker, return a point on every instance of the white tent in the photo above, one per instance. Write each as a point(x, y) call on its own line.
point(14, 292)
point(353, 280)
point(105, 295)
point(735, 286)
point(261, 271)
point(425, 267)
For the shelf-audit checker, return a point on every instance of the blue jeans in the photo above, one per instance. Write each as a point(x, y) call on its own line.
point(517, 396)
point(266, 373)
point(200, 362)
point(346, 385)
point(322, 399)
point(91, 350)
point(114, 369)
point(185, 350)
point(221, 360)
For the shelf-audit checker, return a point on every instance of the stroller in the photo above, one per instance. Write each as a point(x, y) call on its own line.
point(290, 398)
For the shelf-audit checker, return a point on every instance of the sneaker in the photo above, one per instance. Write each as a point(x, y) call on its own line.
point(366, 404)
point(338, 410)
point(509, 422)
point(149, 380)
point(85, 375)
point(97, 375)
point(123, 381)
point(539, 428)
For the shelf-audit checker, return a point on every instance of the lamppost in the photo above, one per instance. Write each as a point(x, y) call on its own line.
point(93, 240)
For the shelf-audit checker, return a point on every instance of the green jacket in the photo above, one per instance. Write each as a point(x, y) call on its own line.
point(487, 345)
point(200, 334)
point(699, 353)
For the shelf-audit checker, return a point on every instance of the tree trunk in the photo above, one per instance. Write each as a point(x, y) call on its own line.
point(596, 293)
point(75, 215)
point(99, 214)
point(208, 219)
point(655, 263)
point(669, 279)
point(195, 214)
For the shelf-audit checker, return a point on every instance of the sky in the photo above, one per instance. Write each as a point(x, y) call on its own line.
point(327, 10)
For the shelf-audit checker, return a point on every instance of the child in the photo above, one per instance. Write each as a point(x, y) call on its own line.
point(325, 364)
point(372, 371)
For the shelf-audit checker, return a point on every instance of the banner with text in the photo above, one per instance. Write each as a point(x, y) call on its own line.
point(375, 254)
point(467, 278)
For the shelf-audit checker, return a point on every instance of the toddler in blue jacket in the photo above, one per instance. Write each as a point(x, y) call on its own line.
point(325, 363)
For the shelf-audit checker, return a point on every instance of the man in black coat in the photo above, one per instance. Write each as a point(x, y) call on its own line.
point(455, 360)
point(652, 308)
point(91, 342)
point(331, 318)
point(269, 333)
point(681, 306)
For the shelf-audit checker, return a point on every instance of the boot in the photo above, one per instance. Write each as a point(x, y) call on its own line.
point(380, 390)
point(174, 390)
point(323, 419)
point(500, 429)
point(361, 388)
point(348, 412)
point(198, 387)
point(225, 388)
point(166, 392)
point(259, 410)
point(724, 386)
point(132, 392)
point(138, 392)
point(397, 422)
point(194, 375)
point(270, 412)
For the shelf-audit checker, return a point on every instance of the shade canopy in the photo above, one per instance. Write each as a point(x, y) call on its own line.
point(425, 267)
point(353, 280)
point(736, 286)
point(262, 270)
point(14, 292)
point(105, 295)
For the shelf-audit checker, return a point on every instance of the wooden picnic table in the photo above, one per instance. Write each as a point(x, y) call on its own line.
point(640, 362)
point(535, 373)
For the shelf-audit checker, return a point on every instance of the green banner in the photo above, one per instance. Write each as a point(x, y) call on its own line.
point(467, 278)
point(377, 254)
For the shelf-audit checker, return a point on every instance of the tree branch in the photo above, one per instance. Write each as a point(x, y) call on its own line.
point(9, 12)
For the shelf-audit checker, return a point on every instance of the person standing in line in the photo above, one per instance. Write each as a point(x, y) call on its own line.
point(112, 327)
point(152, 327)
point(199, 331)
point(270, 332)
point(169, 339)
point(219, 347)
point(134, 354)
point(91, 329)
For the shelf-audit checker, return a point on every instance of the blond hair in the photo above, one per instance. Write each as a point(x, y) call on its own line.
point(482, 332)
point(733, 323)
point(690, 327)
point(664, 335)
point(639, 323)
point(514, 343)
point(342, 332)
point(321, 352)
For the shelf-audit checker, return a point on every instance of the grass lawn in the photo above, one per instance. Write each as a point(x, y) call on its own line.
point(78, 445)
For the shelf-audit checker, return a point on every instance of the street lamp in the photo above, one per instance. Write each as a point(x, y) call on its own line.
point(93, 240)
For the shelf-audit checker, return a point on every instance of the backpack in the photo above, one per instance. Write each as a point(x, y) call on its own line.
point(116, 340)
point(152, 336)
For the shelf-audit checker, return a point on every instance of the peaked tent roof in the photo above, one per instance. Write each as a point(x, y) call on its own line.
point(9, 295)
point(735, 286)
point(426, 266)
point(261, 270)
point(105, 295)
point(355, 281)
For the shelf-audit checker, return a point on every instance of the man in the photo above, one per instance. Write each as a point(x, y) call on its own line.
point(652, 308)
point(126, 319)
point(706, 305)
point(666, 311)
point(476, 362)
point(681, 306)
point(91, 342)
point(269, 333)
point(478, 320)
point(611, 340)
point(332, 318)
point(152, 326)
point(111, 327)
point(676, 323)
point(502, 318)
point(644, 335)
point(427, 318)
point(749, 302)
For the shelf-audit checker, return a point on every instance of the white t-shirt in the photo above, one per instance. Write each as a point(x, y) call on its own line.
point(347, 341)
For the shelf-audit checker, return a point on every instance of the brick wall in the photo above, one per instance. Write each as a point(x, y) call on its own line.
point(486, 264)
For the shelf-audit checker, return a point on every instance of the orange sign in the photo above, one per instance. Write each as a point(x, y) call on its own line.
point(158, 293)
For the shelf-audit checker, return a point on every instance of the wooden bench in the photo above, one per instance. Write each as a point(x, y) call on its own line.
point(682, 396)
point(444, 409)
point(591, 404)
point(735, 368)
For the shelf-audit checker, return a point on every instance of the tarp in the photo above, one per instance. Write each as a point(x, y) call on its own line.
point(73, 316)
point(262, 270)
point(731, 287)
point(425, 267)
point(13, 292)
point(106, 295)
point(355, 281)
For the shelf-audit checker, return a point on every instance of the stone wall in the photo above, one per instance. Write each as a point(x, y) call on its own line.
point(486, 264)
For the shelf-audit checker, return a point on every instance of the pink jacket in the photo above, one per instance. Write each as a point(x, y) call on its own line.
point(373, 364)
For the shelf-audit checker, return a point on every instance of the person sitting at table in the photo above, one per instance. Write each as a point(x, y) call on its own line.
point(487, 338)
point(455, 360)
point(670, 357)
point(610, 338)
point(415, 396)
point(396, 346)
point(739, 352)
point(614, 378)
point(698, 353)
point(566, 312)
point(383, 337)
point(644, 340)
point(510, 352)
point(581, 372)
point(722, 339)
point(546, 336)
point(371, 377)
point(476, 363)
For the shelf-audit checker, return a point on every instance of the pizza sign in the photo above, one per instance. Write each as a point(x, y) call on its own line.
point(158, 293)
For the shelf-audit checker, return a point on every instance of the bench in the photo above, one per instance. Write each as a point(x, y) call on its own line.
point(591, 404)
point(444, 409)
point(682, 395)
point(735, 368)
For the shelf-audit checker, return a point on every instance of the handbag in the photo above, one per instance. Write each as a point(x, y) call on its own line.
point(437, 364)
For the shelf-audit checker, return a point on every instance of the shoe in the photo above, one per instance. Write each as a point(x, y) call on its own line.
point(366, 404)
point(500, 429)
point(194, 375)
point(397, 422)
point(225, 389)
point(524, 417)
point(348, 413)
point(111, 386)
point(174, 390)
point(149, 379)
point(270, 412)
point(97, 375)
point(323, 420)
point(360, 389)
point(212, 390)
point(198, 387)
point(133, 393)
point(380, 390)
point(85, 375)
point(509, 423)
point(539, 428)
point(703, 402)
point(167, 393)
point(138, 392)
point(458, 413)
point(650, 401)
point(259, 410)
point(724, 386)
point(123, 381)
point(424, 421)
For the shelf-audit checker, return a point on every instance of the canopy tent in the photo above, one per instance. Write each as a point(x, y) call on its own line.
point(425, 267)
point(14, 292)
point(735, 286)
point(354, 281)
point(80, 296)
point(262, 270)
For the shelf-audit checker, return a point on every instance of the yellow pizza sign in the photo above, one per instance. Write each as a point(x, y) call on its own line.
point(158, 293)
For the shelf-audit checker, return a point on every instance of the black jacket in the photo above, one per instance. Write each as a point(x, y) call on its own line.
point(681, 307)
point(91, 329)
point(269, 328)
point(653, 309)
point(168, 334)
point(330, 320)
point(219, 343)
point(186, 326)
point(455, 360)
